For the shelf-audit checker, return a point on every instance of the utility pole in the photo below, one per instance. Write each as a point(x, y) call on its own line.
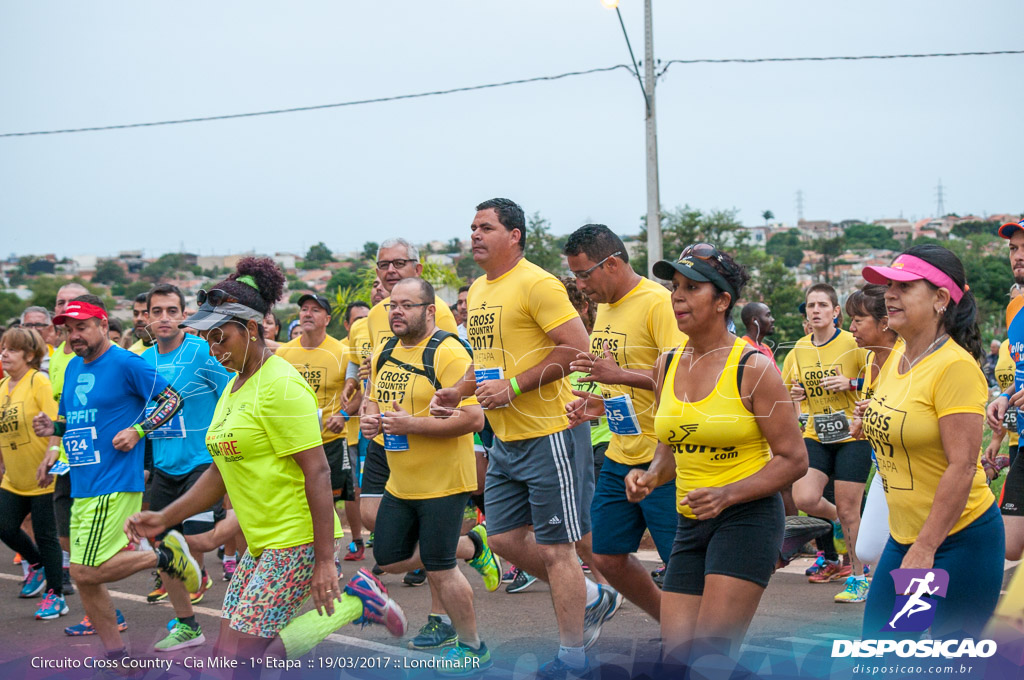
point(654, 249)
point(799, 206)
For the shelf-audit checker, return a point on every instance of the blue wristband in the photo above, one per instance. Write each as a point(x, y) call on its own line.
point(1004, 394)
point(344, 415)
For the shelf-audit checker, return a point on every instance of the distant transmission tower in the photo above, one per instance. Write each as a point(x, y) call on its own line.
point(799, 205)
point(940, 206)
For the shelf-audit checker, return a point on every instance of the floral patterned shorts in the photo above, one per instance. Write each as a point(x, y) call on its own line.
point(268, 591)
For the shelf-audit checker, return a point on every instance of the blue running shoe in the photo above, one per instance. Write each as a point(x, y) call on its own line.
point(34, 583)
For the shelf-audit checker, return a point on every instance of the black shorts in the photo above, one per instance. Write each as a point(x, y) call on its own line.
point(62, 505)
point(342, 483)
point(845, 461)
point(1011, 498)
point(434, 523)
point(742, 542)
point(376, 471)
point(165, 489)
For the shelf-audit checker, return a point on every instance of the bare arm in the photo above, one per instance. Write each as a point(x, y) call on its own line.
point(317, 474)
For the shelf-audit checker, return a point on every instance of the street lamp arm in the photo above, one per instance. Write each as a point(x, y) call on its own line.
point(636, 66)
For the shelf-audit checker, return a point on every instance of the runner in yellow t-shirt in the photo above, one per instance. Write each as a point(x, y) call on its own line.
point(433, 467)
point(827, 365)
point(634, 325)
point(925, 424)
point(25, 392)
point(265, 440)
point(524, 333)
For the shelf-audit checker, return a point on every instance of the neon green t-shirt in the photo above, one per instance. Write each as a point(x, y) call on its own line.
point(58, 365)
point(252, 438)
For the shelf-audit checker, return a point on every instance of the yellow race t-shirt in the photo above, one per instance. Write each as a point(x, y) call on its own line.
point(902, 425)
point(716, 440)
point(22, 450)
point(138, 347)
point(636, 330)
point(352, 426)
point(359, 341)
point(432, 467)
point(789, 377)
point(812, 363)
point(1005, 371)
point(252, 438)
point(323, 368)
point(507, 325)
point(58, 365)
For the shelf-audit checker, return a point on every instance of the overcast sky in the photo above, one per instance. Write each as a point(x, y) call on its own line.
point(865, 139)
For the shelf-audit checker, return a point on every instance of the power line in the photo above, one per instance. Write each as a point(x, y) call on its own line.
point(765, 60)
point(317, 107)
point(470, 88)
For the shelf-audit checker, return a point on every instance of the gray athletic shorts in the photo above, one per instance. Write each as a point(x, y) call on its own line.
point(546, 481)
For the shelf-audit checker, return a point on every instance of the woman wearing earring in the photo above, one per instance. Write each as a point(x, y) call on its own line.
point(869, 325)
point(925, 424)
point(828, 364)
point(729, 457)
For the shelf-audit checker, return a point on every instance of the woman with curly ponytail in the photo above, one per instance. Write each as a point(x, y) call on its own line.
point(268, 456)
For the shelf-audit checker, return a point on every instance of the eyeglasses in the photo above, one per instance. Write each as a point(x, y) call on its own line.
point(397, 264)
point(585, 274)
point(34, 325)
point(215, 297)
point(405, 306)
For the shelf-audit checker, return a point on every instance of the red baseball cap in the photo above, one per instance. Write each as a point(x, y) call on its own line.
point(80, 310)
point(1006, 231)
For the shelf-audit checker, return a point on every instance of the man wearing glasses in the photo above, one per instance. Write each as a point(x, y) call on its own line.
point(38, 319)
point(635, 324)
point(398, 259)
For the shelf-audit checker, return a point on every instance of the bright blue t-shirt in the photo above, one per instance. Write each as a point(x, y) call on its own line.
point(199, 379)
point(99, 400)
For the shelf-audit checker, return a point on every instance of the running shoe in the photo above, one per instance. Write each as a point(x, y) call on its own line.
point(207, 583)
point(585, 567)
point(659, 576)
point(816, 567)
point(68, 586)
point(17, 558)
point(180, 637)
point(230, 564)
point(377, 571)
point(434, 633)
point(52, 607)
point(856, 591)
point(356, 553)
point(608, 602)
point(159, 593)
point(86, 627)
point(182, 566)
point(34, 583)
point(460, 661)
point(559, 670)
point(510, 574)
point(377, 606)
point(415, 578)
point(830, 571)
point(521, 583)
point(369, 542)
point(487, 564)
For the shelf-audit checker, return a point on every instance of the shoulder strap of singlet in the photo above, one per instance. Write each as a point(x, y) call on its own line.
point(671, 355)
point(739, 369)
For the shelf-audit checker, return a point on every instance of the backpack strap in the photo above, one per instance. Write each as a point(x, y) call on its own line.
point(428, 370)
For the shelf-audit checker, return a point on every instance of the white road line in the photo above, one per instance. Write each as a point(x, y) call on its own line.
point(802, 641)
point(215, 613)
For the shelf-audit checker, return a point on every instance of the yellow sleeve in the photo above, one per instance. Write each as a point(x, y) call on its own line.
point(42, 393)
point(663, 326)
point(443, 317)
point(789, 368)
point(960, 387)
point(451, 363)
point(549, 304)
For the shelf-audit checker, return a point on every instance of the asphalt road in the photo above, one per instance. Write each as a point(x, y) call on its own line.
point(795, 620)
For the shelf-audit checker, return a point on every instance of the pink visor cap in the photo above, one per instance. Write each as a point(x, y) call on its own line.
point(910, 268)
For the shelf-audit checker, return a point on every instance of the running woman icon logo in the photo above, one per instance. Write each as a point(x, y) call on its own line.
point(916, 589)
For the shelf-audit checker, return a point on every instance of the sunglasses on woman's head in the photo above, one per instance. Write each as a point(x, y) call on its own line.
point(215, 297)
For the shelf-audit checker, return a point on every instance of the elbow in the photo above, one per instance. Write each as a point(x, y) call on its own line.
point(797, 466)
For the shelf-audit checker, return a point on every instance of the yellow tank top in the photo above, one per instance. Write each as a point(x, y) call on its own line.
point(716, 440)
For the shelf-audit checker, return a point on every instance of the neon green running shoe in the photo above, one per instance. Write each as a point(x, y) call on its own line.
point(180, 637)
point(856, 591)
point(487, 563)
point(183, 566)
